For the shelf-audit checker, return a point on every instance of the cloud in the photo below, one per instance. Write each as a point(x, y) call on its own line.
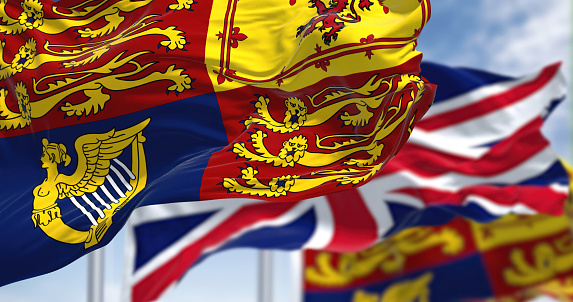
point(518, 39)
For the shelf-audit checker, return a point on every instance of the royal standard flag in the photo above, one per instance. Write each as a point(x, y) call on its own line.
point(106, 106)
point(504, 260)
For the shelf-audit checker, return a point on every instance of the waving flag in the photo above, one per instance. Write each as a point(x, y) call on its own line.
point(490, 163)
point(110, 105)
point(460, 261)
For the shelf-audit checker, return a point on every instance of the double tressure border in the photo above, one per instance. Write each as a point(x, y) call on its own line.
point(230, 32)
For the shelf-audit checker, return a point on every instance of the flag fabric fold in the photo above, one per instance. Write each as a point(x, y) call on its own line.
point(106, 106)
point(480, 166)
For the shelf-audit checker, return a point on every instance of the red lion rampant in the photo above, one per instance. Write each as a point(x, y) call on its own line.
point(332, 17)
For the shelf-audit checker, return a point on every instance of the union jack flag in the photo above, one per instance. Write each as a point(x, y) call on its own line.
point(478, 153)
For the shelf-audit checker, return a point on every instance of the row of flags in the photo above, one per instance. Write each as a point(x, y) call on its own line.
point(301, 125)
point(433, 209)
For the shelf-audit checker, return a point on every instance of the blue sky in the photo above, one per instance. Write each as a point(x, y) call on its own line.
point(508, 37)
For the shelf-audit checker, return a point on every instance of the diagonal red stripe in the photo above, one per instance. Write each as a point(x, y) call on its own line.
point(490, 104)
point(503, 156)
point(355, 228)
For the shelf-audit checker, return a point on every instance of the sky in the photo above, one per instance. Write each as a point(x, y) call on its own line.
point(508, 37)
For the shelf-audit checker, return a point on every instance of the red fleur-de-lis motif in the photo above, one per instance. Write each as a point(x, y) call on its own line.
point(486, 233)
point(280, 81)
point(222, 75)
point(416, 34)
point(368, 40)
point(384, 7)
point(322, 65)
point(236, 36)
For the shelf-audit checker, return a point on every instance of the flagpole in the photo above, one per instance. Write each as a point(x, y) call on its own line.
point(95, 276)
point(297, 275)
point(265, 275)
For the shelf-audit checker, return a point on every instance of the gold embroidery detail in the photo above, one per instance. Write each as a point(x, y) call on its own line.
point(95, 152)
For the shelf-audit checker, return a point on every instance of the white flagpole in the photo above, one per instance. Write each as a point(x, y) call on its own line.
point(95, 276)
point(265, 275)
point(297, 275)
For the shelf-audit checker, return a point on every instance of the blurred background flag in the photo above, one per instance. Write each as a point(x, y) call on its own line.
point(482, 165)
point(514, 258)
point(112, 105)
